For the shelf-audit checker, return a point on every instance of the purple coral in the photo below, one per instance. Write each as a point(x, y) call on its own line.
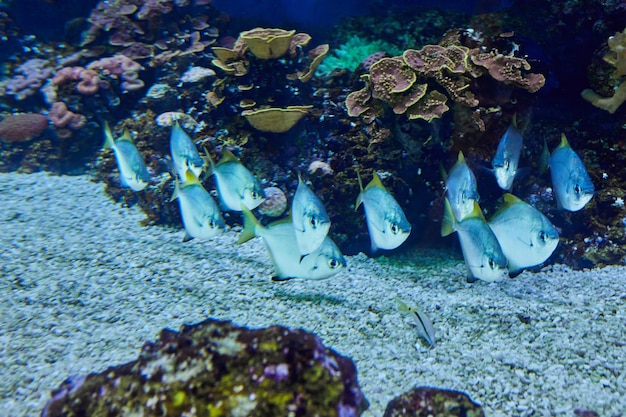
point(30, 77)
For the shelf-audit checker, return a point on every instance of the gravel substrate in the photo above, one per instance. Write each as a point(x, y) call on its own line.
point(83, 285)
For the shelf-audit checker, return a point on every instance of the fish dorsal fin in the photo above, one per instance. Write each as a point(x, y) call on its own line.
point(564, 143)
point(109, 142)
point(300, 180)
point(190, 178)
point(476, 212)
point(227, 156)
point(126, 136)
point(509, 200)
point(459, 160)
point(448, 222)
point(375, 182)
point(358, 198)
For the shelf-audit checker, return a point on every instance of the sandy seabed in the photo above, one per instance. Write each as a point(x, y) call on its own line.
point(83, 285)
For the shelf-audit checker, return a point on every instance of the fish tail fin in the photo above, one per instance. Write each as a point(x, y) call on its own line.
point(250, 224)
point(544, 158)
point(402, 305)
point(109, 142)
point(442, 170)
point(208, 162)
point(176, 192)
point(448, 223)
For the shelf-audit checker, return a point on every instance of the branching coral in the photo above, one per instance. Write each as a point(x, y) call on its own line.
point(616, 57)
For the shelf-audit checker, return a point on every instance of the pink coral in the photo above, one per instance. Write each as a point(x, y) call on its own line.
point(62, 117)
point(89, 83)
point(120, 66)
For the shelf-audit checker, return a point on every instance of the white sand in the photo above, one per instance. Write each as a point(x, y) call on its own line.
point(83, 285)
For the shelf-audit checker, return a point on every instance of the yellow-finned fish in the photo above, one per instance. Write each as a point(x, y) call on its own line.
point(280, 240)
point(481, 250)
point(425, 327)
point(235, 184)
point(526, 236)
point(386, 222)
point(310, 220)
point(201, 216)
point(461, 188)
point(184, 153)
point(133, 171)
point(572, 186)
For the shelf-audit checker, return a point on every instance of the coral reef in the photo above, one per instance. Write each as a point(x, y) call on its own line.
point(435, 402)
point(405, 83)
point(215, 368)
point(22, 127)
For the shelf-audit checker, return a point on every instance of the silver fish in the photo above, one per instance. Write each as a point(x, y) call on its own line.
point(526, 236)
point(461, 188)
point(184, 152)
point(482, 252)
point(506, 160)
point(309, 217)
point(572, 186)
point(425, 327)
point(280, 240)
point(386, 222)
point(133, 171)
point(201, 216)
point(235, 184)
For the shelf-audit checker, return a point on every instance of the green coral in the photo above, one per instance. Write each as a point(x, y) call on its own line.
point(350, 54)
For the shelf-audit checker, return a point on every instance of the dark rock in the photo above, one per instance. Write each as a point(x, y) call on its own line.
point(217, 369)
point(433, 402)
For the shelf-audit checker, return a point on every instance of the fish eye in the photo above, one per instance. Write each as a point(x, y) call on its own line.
point(542, 236)
point(212, 224)
point(492, 263)
point(314, 222)
point(333, 263)
point(577, 189)
point(254, 195)
point(507, 163)
point(394, 228)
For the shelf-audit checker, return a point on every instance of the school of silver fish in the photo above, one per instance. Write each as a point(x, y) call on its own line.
point(516, 237)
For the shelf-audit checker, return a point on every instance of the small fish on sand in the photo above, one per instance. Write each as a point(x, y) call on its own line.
point(133, 171)
point(201, 216)
point(506, 160)
point(526, 236)
point(184, 152)
point(280, 241)
point(461, 188)
point(388, 226)
point(235, 184)
point(572, 186)
point(481, 250)
point(310, 220)
point(425, 328)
